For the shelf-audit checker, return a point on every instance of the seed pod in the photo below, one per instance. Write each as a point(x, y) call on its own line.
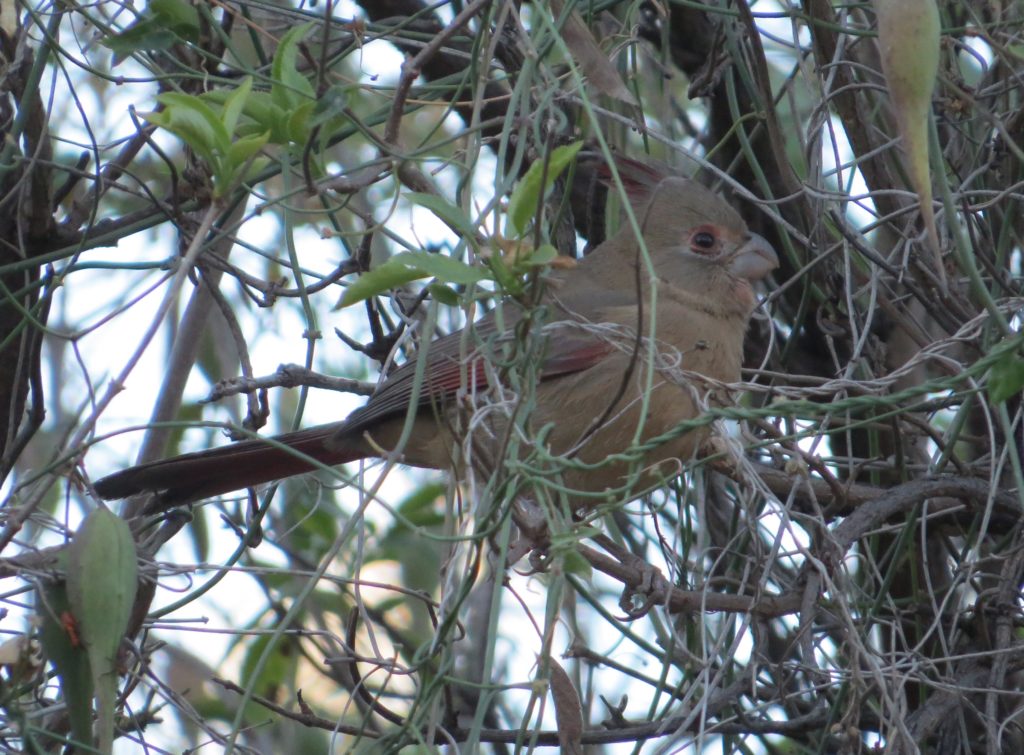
point(58, 633)
point(102, 580)
point(908, 40)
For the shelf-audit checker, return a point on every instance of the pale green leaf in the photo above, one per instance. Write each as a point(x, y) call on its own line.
point(381, 279)
point(451, 214)
point(525, 197)
point(290, 88)
point(444, 268)
point(1006, 378)
point(234, 105)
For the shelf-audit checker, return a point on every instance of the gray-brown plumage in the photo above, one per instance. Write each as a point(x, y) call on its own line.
point(690, 297)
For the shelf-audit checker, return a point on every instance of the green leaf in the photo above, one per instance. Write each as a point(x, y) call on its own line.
point(178, 15)
point(1006, 378)
point(261, 112)
point(290, 88)
point(235, 104)
point(146, 34)
point(267, 116)
point(283, 124)
point(444, 294)
point(208, 125)
point(442, 267)
point(162, 24)
point(420, 515)
point(379, 280)
point(194, 122)
point(331, 105)
point(504, 277)
point(278, 668)
point(526, 195)
point(450, 213)
point(298, 127)
point(240, 152)
point(585, 531)
point(419, 508)
point(197, 135)
point(182, 105)
point(311, 528)
point(409, 266)
point(545, 254)
point(574, 563)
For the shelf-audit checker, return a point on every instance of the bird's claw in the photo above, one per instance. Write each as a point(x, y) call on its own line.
point(538, 562)
point(636, 600)
point(635, 604)
point(533, 537)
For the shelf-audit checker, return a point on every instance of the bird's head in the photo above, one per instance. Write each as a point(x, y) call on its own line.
point(699, 244)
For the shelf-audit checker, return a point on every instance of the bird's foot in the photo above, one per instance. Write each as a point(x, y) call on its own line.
point(636, 600)
point(644, 585)
point(533, 537)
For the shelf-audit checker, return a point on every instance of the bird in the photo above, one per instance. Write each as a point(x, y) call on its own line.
point(625, 336)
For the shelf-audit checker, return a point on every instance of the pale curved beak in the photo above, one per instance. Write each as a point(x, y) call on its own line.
point(754, 260)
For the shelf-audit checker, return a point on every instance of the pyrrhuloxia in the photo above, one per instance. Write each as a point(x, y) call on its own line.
point(695, 279)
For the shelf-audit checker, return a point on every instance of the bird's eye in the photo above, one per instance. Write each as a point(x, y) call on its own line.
point(703, 240)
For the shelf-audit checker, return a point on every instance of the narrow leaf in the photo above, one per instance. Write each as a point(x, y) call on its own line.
point(298, 122)
point(545, 254)
point(444, 294)
point(523, 203)
point(568, 710)
point(442, 267)
point(290, 88)
point(235, 104)
point(259, 109)
point(193, 121)
point(146, 34)
point(574, 563)
point(381, 279)
point(243, 149)
point(1006, 378)
point(409, 266)
point(450, 213)
point(179, 15)
point(162, 24)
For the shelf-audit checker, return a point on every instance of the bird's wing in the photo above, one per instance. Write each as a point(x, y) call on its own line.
point(455, 365)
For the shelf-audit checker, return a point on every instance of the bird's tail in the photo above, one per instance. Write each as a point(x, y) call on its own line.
point(245, 464)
